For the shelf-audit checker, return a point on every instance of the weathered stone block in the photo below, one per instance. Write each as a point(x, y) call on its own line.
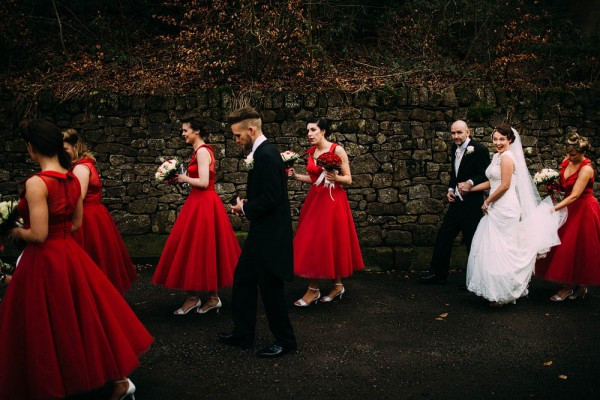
point(387, 196)
point(419, 192)
point(130, 224)
point(424, 206)
point(143, 206)
point(365, 164)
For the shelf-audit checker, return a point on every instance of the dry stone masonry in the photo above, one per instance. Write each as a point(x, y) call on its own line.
point(397, 140)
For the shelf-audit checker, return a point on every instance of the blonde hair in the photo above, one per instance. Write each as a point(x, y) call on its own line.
point(578, 143)
point(79, 148)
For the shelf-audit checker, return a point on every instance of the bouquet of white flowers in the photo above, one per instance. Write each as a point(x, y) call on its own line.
point(549, 177)
point(289, 158)
point(6, 209)
point(9, 219)
point(167, 171)
point(545, 176)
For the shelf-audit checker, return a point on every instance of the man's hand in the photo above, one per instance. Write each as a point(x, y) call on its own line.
point(237, 208)
point(451, 196)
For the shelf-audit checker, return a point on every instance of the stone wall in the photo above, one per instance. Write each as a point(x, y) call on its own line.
point(397, 140)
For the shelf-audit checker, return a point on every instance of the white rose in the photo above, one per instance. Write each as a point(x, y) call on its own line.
point(470, 149)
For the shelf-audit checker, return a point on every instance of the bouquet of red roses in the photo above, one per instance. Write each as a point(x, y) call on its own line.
point(330, 162)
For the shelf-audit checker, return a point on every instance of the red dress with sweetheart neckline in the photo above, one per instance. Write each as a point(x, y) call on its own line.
point(325, 244)
point(202, 251)
point(99, 235)
point(576, 261)
point(64, 328)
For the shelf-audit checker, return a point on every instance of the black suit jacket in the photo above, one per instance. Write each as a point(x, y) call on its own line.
point(270, 239)
point(472, 166)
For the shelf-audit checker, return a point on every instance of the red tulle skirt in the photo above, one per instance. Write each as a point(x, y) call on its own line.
point(64, 328)
point(202, 251)
point(576, 261)
point(325, 244)
point(101, 239)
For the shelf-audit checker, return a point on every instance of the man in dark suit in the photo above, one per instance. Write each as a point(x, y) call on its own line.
point(469, 162)
point(267, 258)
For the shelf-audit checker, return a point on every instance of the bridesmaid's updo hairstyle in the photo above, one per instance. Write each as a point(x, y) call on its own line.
point(577, 143)
point(196, 123)
point(323, 125)
point(45, 138)
point(505, 130)
point(79, 147)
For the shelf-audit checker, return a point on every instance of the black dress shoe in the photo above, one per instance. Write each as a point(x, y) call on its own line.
point(275, 350)
point(430, 277)
point(234, 340)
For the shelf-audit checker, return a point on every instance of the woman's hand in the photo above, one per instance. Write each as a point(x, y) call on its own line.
point(485, 206)
point(332, 176)
point(16, 234)
point(291, 172)
point(181, 178)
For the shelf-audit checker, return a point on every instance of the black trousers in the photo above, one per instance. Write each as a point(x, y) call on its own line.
point(248, 280)
point(460, 217)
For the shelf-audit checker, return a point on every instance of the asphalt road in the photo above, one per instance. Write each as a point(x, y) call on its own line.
point(388, 338)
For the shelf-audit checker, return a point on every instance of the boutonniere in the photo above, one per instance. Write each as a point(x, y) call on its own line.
point(249, 161)
point(470, 149)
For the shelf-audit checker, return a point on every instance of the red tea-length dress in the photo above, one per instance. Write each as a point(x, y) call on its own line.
point(202, 251)
point(576, 261)
point(325, 244)
point(64, 328)
point(99, 235)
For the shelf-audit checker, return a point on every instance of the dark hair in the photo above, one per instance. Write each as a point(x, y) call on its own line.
point(242, 114)
point(505, 130)
point(322, 123)
point(577, 143)
point(79, 147)
point(196, 123)
point(45, 138)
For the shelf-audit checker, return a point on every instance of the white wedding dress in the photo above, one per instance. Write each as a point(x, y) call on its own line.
point(506, 243)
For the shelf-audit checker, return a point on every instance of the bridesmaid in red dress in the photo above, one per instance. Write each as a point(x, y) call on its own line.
point(98, 235)
point(202, 251)
point(325, 244)
point(64, 327)
point(576, 261)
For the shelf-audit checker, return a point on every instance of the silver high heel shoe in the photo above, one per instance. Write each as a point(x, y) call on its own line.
point(327, 299)
point(130, 390)
point(180, 310)
point(568, 294)
point(302, 303)
point(216, 307)
point(579, 292)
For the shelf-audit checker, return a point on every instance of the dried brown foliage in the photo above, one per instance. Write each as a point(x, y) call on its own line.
point(170, 46)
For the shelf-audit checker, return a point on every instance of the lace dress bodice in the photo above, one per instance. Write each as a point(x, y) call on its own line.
point(509, 201)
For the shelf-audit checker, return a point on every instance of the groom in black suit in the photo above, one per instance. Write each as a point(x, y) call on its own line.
point(267, 258)
point(469, 162)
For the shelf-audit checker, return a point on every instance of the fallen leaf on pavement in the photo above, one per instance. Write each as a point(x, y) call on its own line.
point(439, 319)
point(444, 315)
point(562, 376)
point(548, 363)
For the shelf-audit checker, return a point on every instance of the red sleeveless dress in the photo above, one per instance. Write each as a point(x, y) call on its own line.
point(202, 251)
point(576, 261)
point(325, 244)
point(99, 235)
point(64, 328)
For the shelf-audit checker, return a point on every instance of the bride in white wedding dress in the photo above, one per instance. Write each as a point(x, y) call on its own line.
point(516, 229)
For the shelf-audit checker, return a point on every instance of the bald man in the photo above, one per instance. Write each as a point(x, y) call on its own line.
point(469, 162)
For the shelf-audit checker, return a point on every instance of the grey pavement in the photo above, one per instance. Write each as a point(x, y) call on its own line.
point(388, 338)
